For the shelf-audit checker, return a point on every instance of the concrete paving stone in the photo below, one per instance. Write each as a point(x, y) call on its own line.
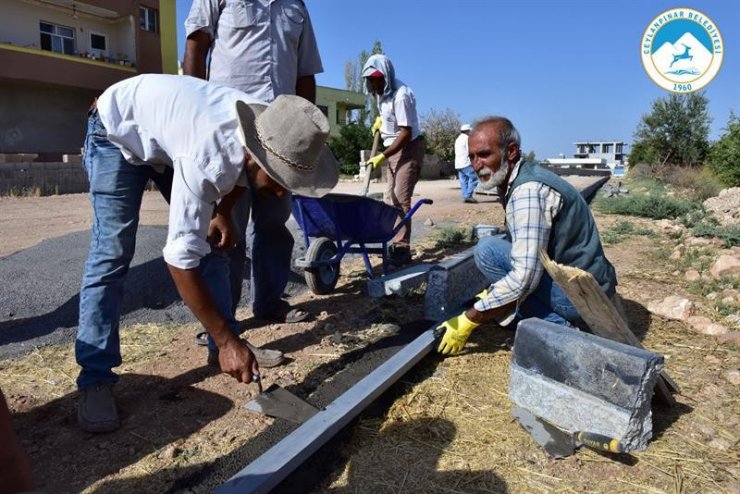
point(582, 382)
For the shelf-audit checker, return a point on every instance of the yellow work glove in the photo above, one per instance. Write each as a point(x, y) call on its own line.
point(376, 160)
point(482, 294)
point(376, 126)
point(457, 329)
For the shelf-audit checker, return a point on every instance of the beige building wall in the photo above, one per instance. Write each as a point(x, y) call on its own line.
point(19, 25)
point(336, 103)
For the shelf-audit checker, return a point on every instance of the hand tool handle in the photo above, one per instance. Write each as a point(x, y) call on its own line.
point(369, 170)
point(256, 378)
point(599, 442)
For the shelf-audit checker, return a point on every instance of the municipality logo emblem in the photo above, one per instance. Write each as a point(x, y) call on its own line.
point(682, 50)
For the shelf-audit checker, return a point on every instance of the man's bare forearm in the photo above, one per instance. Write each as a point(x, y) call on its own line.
point(400, 142)
point(196, 54)
point(495, 314)
point(226, 204)
point(194, 292)
point(305, 87)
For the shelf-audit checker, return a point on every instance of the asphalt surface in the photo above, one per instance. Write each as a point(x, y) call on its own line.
point(39, 295)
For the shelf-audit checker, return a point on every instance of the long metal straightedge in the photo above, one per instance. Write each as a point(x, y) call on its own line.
point(267, 471)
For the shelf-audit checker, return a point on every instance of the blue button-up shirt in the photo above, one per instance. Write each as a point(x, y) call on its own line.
point(261, 47)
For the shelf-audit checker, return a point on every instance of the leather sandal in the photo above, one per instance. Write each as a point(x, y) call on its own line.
point(285, 314)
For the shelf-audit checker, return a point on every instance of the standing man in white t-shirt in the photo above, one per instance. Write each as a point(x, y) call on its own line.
point(465, 172)
point(264, 48)
point(218, 144)
point(398, 125)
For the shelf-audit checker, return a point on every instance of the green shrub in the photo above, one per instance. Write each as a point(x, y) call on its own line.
point(353, 138)
point(621, 231)
point(730, 235)
point(451, 237)
point(704, 225)
point(648, 206)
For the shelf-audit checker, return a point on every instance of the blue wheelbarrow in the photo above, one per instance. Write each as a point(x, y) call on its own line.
point(340, 224)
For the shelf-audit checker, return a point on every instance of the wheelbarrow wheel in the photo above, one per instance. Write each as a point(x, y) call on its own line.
point(322, 279)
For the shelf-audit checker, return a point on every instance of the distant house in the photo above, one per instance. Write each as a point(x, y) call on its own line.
point(337, 105)
point(596, 155)
point(57, 55)
point(611, 151)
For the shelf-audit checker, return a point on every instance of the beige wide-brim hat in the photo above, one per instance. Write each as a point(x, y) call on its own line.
point(288, 140)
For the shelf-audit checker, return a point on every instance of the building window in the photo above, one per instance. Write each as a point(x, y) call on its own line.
point(324, 110)
point(606, 148)
point(55, 38)
point(148, 19)
point(98, 42)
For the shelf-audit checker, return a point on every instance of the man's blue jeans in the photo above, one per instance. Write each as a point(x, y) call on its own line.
point(468, 181)
point(548, 301)
point(116, 190)
point(271, 248)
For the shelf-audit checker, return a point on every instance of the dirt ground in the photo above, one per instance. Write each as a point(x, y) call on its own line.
point(447, 427)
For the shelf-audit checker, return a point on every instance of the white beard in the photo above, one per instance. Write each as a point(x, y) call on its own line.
point(490, 180)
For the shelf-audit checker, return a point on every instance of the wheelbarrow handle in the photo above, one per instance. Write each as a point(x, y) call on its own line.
point(408, 215)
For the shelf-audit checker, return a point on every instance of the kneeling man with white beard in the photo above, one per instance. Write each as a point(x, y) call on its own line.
point(543, 211)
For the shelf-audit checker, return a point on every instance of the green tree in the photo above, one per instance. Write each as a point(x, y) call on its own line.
point(352, 138)
point(724, 157)
point(441, 128)
point(642, 153)
point(674, 133)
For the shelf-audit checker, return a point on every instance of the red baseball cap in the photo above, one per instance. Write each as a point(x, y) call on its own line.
point(375, 73)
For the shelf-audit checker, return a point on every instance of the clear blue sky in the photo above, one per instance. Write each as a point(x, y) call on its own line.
point(562, 71)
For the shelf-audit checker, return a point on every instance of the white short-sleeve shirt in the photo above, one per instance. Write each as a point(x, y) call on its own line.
point(259, 46)
point(191, 126)
point(398, 110)
point(462, 160)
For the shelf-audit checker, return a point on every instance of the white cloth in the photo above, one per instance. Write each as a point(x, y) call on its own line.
point(462, 160)
point(259, 46)
point(191, 126)
point(398, 110)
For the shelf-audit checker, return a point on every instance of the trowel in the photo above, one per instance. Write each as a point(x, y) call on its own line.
point(281, 403)
point(559, 443)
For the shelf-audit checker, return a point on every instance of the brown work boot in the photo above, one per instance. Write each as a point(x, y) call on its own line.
point(96, 408)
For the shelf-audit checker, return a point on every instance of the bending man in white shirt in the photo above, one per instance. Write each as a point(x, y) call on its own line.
point(216, 142)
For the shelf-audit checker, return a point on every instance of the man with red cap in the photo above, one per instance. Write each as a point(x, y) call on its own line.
point(398, 125)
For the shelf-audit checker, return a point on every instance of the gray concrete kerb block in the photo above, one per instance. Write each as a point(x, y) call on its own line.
point(582, 382)
point(450, 284)
point(399, 283)
point(480, 231)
